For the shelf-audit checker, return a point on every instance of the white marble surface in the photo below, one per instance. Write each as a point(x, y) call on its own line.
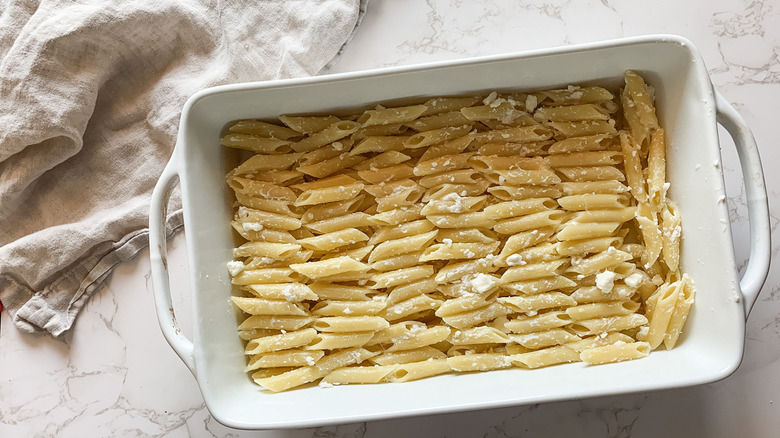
point(114, 375)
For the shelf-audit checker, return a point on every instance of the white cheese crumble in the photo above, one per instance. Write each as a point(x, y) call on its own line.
point(447, 241)
point(605, 281)
point(457, 203)
point(263, 260)
point(530, 102)
point(514, 260)
point(252, 226)
point(676, 232)
point(289, 293)
point(483, 283)
point(490, 98)
point(633, 280)
point(234, 267)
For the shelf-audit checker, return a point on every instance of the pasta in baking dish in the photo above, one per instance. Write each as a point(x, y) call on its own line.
point(519, 229)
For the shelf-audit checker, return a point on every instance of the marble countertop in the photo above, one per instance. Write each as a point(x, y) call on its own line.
point(114, 374)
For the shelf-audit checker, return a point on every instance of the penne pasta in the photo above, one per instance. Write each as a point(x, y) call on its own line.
point(459, 234)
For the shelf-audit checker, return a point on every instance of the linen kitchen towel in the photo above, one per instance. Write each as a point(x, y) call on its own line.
point(90, 98)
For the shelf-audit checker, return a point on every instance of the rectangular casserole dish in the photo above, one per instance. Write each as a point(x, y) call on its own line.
point(710, 348)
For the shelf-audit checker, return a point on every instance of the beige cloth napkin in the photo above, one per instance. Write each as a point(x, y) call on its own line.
point(90, 98)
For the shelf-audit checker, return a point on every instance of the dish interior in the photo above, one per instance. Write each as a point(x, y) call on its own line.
point(709, 349)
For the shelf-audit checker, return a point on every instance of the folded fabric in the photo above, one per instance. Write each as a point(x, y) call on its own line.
point(91, 94)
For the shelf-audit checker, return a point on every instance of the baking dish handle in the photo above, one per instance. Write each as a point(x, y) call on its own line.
point(158, 254)
point(757, 204)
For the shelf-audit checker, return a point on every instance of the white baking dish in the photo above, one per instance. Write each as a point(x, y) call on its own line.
point(710, 349)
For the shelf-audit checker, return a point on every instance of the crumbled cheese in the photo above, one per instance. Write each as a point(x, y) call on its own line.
point(337, 145)
point(263, 260)
point(324, 384)
point(676, 232)
point(509, 116)
point(252, 226)
point(469, 253)
point(496, 103)
point(415, 329)
point(532, 313)
point(347, 311)
point(605, 281)
point(515, 259)
point(633, 280)
point(289, 293)
point(490, 98)
point(447, 241)
point(234, 267)
point(457, 203)
point(530, 102)
point(483, 282)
